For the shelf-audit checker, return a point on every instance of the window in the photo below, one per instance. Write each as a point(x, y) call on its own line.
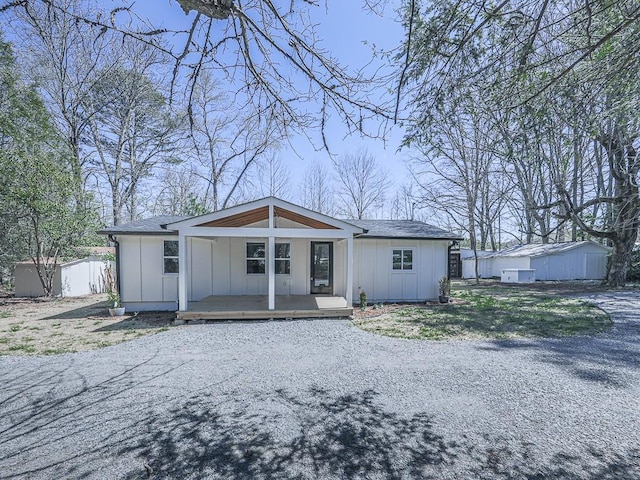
point(255, 258)
point(403, 259)
point(283, 259)
point(170, 254)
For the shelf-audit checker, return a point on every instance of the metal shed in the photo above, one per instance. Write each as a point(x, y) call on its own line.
point(584, 260)
point(72, 279)
point(468, 265)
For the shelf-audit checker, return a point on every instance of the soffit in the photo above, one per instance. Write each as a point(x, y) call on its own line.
point(255, 215)
point(298, 218)
point(241, 219)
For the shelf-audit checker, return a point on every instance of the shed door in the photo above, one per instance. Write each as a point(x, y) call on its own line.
point(321, 267)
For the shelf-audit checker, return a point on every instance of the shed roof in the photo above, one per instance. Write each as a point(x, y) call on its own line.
point(409, 229)
point(540, 249)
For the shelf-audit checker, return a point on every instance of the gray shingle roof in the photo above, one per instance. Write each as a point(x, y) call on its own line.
point(148, 226)
point(376, 228)
point(409, 229)
point(539, 249)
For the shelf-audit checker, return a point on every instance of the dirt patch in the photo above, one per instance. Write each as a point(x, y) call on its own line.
point(37, 326)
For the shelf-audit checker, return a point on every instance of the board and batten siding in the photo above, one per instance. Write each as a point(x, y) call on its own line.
point(485, 267)
point(373, 269)
point(143, 283)
point(218, 267)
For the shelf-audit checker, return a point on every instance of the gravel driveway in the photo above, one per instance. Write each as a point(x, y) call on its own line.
point(322, 399)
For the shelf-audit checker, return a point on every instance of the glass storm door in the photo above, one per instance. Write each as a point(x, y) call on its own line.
point(322, 267)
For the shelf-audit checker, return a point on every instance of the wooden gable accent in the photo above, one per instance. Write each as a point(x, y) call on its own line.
point(298, 218)
point(240, 219)
point(250, 217)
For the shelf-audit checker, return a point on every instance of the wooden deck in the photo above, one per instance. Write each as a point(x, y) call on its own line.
point(253, 307)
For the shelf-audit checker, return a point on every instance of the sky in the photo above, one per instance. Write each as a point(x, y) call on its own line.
point(343, 27)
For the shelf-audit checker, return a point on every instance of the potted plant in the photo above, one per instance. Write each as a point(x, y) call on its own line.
point(445, 290)
point(113, 296)
point(116, 309)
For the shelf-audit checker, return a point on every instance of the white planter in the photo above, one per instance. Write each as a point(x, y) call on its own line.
point(116, 312)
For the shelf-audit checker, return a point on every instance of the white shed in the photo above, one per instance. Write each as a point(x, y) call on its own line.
point(72, 279)
point(468, 263)
point(584, 260)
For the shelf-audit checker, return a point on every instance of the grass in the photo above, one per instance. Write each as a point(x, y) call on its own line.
point(55, 351)
point(22, 347)
point(492, 312)
point(36, 328)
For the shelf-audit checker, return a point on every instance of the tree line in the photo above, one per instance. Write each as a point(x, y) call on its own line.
point(521, 118)
point(96, 130)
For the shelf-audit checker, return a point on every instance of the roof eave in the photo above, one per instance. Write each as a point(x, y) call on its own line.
point(406, 237)
point(140, 233)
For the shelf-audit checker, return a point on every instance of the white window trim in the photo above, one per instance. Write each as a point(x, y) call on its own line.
point(413, 260)
point(246, 258)
point(164, 257)
point(288, 259)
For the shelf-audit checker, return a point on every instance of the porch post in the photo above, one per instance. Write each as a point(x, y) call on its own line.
point(183, 271)
point(271, 255)
point(349, 293)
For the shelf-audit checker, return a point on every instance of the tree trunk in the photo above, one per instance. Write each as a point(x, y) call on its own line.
point(620, 260)
point(626, 209)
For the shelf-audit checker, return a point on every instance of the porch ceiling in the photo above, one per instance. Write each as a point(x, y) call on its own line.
point(250, 217)
point(296, 217)
point(241, 219)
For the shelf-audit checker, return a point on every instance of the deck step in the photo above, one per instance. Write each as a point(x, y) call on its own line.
point(191, 317)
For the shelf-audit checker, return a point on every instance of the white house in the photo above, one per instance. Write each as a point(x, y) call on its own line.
point(584, 260)
point(276, 259)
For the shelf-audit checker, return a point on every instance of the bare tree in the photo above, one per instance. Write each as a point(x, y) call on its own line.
point(132, 129)
point(547, 64)
point(488, 44)
point(228, 142)
point(362, 184)
point(65, 57)
point(275, 180)
point(404, 203)
point(317, 190)
point(178, 191)
point(457, 171)
point(268, 51)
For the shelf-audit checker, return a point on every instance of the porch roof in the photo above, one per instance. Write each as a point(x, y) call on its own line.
point(246, 215)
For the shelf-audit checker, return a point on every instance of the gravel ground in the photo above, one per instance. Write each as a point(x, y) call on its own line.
point(322, 399)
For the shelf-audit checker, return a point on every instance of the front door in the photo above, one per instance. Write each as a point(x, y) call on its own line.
point(322, 267)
